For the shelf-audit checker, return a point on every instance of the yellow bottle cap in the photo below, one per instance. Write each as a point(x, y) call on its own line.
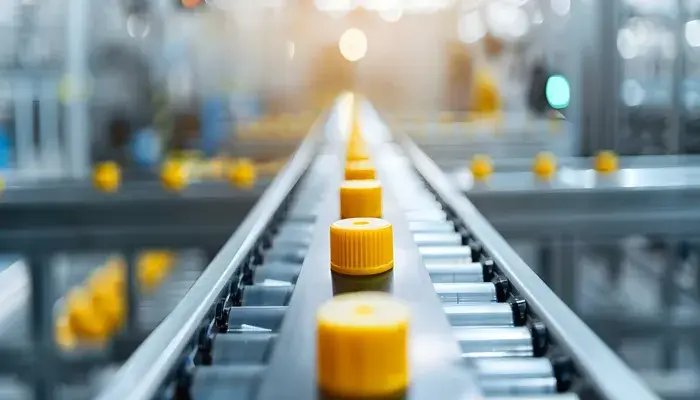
point(153, 267)
point(362, 345)
point(241, 173)
point(356, 150)
point(606, 162)
point(174, 175)
point(485, 95)
point(481, 167)
point(108, 300)
point(361, 169)
point(83, 318)
point(544, 165)
point(362, 246)
point(64, 335)
point(107, 176)
point(361, 198)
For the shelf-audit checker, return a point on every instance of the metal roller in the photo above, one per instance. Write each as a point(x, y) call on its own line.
point(446, 254)
point(526, 386)
point(453, 273)
point(286, 254)
point(435, 215)
point(513, 368)
point(431, 226)
point(480, 314)
point(495, 342)
point(255, 319)
point(225, 382)
point(558, 396)
point(264, 295)
point(438, 239)
point(278, 272)
point(241, 348)
point(469, 292)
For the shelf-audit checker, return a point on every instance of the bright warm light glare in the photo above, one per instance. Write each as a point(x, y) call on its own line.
point(353, 44)
point(692, 33)
point(471, 28)
point(291, 49)
point(391, 14)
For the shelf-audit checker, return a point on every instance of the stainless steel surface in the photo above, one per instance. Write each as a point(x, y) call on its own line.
point(494, 341)
point(480, 314)
point(446, 273)
point(638, 199)
point(513, 368)
point(141, 376)
point(438, 239)
point(595, 361)
point(445, 254)
point(469, 292)
point(428, 227)
point(522, 386)
point(241, 348)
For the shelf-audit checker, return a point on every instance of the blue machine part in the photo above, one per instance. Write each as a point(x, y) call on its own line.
point(146, 147)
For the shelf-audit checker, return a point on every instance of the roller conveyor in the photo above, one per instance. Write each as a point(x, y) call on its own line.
point(481, 321)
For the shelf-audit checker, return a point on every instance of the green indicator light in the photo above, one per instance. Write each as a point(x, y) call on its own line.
point(558, 92)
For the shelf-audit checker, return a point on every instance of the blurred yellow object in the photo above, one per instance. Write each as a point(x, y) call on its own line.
point(153, 267)
point(361, 246)
point(356, 150)
point(362, 345)
point(174, 175)
point(485, 97)
point(84, 319)
point(361, 169)
point(361, 198)
point(481, 167)
point(544, 165)
point(242, 173)
point(65, 338)
point(107, 176)
point(2, 184)
point(606, 162)
point(108, 299)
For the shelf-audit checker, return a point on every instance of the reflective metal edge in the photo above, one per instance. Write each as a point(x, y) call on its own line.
point(143, 373)
point(596, 361)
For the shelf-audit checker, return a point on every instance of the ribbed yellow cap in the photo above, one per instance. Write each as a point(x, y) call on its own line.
point(361, 198)
point(361, 169)
point(83, 318)
point(362, 246)
point(107, 176)
point(362, 345)
point(174, 175)
point(606, 162)
point(544, 165)
point(356, 150)
point(481, 167)
point(241, 173)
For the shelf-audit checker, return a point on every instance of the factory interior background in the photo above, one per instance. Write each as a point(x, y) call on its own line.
point(172, 173)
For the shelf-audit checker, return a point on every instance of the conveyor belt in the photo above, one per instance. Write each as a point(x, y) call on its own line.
point(245, 330)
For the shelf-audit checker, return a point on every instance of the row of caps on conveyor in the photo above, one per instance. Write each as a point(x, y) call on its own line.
point(233, 350)
point(507, 346)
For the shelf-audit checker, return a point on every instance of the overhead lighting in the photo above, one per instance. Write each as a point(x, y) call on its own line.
point(353, 44)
